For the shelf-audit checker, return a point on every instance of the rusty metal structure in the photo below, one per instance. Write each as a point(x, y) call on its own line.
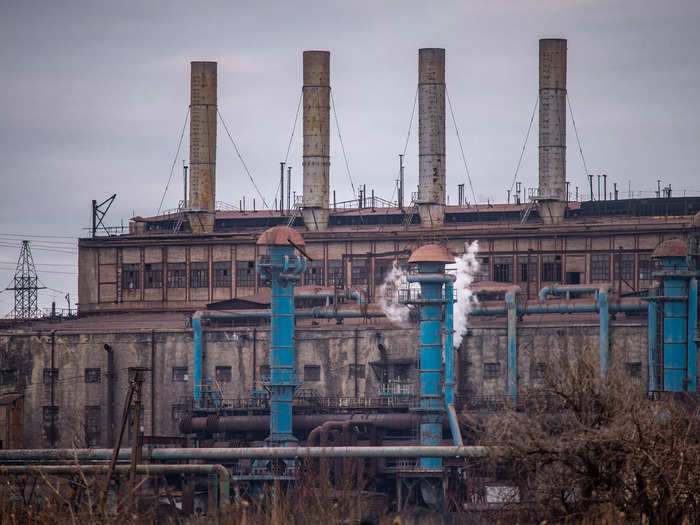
point(285, 317)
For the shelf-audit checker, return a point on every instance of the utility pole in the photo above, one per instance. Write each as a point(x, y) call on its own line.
point(136, 428)
point(25, 284)
point(605, 186)
point(184, 180)
point(598, 187)
point(400, 181)
point(281, 188)
point(289, 189)
point(590, 183)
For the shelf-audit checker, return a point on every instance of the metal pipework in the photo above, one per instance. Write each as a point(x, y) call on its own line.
point(316, 162)
point(567, 289)
point(512, 309)
point(223, 476)
point(224, 454)
point(552, 148)
point(678, 296)
point(431, 136)
point(197, 356)
point(203, 115)
point(281, 270)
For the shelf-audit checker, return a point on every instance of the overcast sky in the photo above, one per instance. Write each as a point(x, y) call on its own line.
point(93, 97)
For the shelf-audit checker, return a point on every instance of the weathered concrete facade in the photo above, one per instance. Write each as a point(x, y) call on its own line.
point(431, 137)
point(358, 361)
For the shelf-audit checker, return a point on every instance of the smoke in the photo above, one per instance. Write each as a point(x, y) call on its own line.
point(389, 295)
point(467, 267)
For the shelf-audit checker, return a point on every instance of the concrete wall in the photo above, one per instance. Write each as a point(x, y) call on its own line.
point(335, 349)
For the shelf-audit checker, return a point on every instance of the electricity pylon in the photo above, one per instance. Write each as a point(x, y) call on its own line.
point(25, 285)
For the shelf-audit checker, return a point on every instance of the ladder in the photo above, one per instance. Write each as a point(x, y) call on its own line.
point(526, 212)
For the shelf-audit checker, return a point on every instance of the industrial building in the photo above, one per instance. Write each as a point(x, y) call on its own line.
point(267, 327)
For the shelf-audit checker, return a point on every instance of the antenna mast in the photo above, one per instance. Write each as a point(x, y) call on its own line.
point(25, 286)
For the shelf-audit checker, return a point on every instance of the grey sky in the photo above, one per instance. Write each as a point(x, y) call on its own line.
point(93, 96)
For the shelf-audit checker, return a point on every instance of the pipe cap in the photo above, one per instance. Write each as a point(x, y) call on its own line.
point(432, 253)
point(671, 248)
point(280, 236)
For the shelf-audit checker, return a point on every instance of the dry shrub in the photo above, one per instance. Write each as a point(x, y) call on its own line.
point(605, 454)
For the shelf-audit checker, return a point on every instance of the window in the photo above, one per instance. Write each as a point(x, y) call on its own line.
point(484, 272)
point(93, 420)
point(50, 415)
point(527, 269)
point(356, 371)
point(130, 276)
point(93, 375)
point(312, 373)
point(382, 267)
point(600, 267)
point(153, 276)
point(178, 411)
point(223, 374)
point(314, 273)
point(644, 267)
point(359, 271)
point(336, 275)
point(8, 377)
point(245, 273)
point(50, 374)
point(180, 373)
point(176, 275)
point(492, 370)
point(222, 274)
point(634, 369)
point(502, 269)
point(199, 275)
point(551, 268)
point(624, 267)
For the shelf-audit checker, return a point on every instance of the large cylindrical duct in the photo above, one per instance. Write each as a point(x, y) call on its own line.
point(203, 136)
point(431, 136)
point(316, 161)
point(552, 155)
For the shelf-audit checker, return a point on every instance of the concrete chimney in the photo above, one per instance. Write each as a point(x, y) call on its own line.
point(431, 136)
point(316, 161)
point(203, 137)
point(552, 180)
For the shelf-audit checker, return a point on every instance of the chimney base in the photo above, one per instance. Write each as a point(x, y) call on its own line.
point(551, 212)
point(316, 219)
point(431, 215)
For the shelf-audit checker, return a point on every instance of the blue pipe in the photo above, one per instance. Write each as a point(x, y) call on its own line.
point(604, 339)
point(282, 372)
point(692, 324)
point(566, 289)
point(197, 358)
point(512, 344)
point(449, 344)
point(653, 349)
point(430, 358)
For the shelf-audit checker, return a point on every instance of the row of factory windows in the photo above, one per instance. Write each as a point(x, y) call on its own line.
point(525, 269)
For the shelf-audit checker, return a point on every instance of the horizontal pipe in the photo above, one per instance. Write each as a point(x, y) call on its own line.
point(221, 454)
point(632, 304)
point(223, 475)
point(431, 278)
point(561, 289)
point(316, 313)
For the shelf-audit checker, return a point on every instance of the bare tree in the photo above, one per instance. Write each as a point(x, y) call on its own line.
point(605, 452)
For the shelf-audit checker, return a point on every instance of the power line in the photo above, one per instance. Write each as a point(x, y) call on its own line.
point(172, 167)
point(245, 167)
point(573, 121)
point(410, 123)
point(289, 145)
point(527, 136)
point(342, 147)
point(461, 148)
point(25, 235)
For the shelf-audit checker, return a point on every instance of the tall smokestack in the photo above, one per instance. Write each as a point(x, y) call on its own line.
point(431, 136)
point(552, 187)
point(316, 162)
point(203, 136)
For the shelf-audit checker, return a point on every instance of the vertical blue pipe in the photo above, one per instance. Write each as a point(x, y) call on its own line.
point(512, 345)
point(431, 363)
point(692, 324)
point(282, 376)
point(604, 339)
point(449, 344)
point(653, 350)
point(676, 329)
point(197, 358)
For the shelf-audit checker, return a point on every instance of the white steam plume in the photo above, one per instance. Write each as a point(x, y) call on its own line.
point(467, 268)
point(389, 295)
